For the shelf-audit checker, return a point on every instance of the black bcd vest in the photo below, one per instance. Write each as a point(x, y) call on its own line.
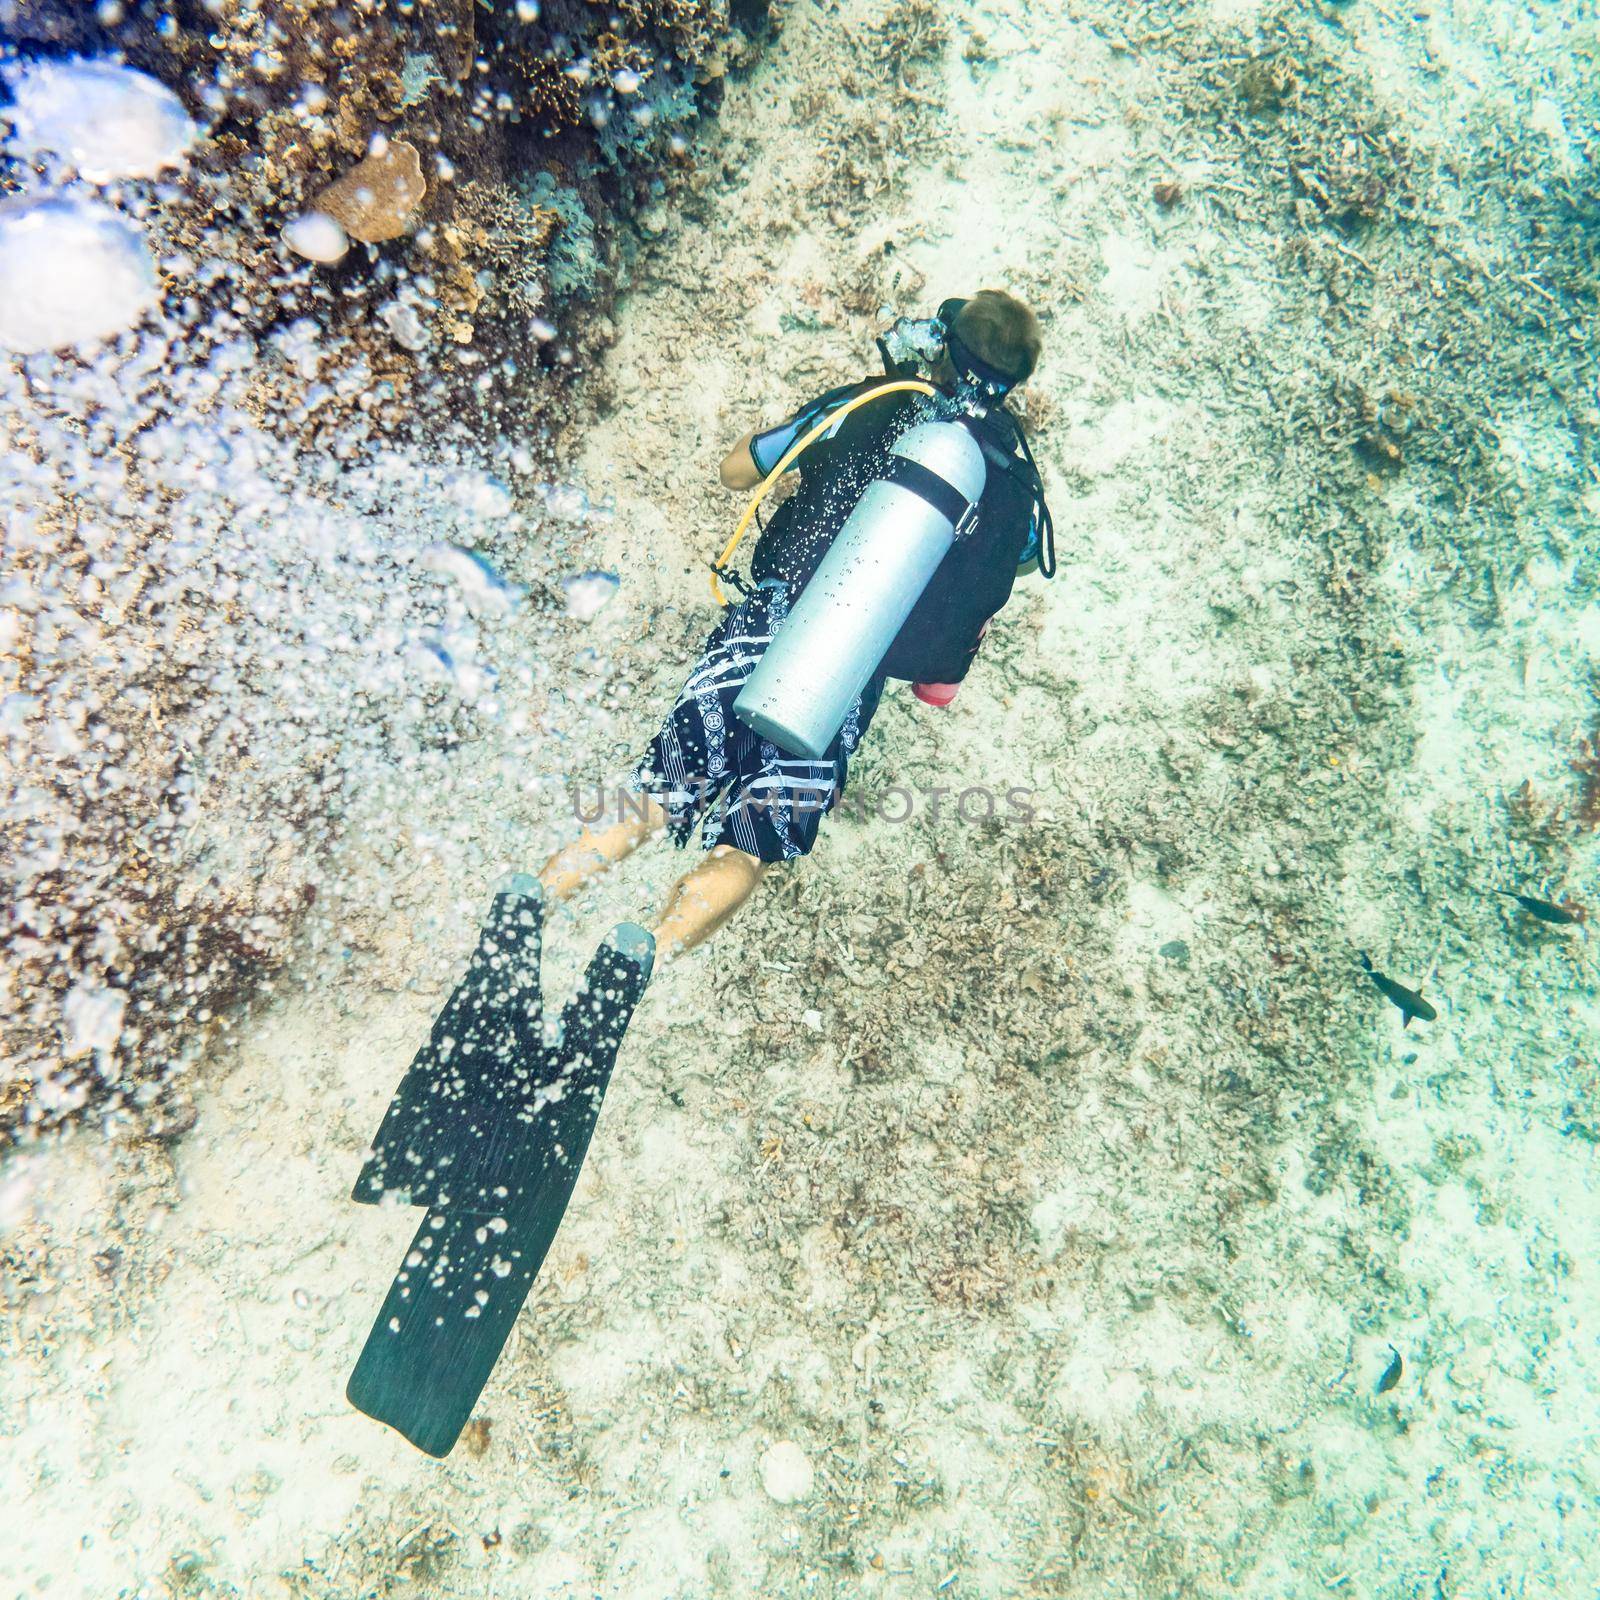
point(937, 642)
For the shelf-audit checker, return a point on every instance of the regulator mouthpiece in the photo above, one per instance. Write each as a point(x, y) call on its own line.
point(914, 342)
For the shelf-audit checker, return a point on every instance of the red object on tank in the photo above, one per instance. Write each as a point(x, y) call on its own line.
point(941, 694)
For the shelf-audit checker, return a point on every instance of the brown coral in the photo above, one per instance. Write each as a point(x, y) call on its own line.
point(691, 29)
point(547, 93)
point(375, 199)
point(511, 236)
point(613, 54)
point(1269, 83)
point(1587, 766)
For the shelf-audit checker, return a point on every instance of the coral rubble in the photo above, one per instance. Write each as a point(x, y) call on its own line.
point(356, 228)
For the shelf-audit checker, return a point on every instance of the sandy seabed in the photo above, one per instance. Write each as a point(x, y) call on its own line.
point(1061, 1191)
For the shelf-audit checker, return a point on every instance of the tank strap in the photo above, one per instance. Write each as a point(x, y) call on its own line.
point(1019, 462)
point(943, 497)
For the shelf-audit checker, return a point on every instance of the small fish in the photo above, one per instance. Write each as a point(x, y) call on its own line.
point(1410, 1001)
point(1546, 910)
point(1391, 1373)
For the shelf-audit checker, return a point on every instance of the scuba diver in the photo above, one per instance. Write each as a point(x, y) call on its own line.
point(918, 503)
point(756, 801)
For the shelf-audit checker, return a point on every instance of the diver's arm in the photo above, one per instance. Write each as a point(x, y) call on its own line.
point(739, 470)
point(761, 451)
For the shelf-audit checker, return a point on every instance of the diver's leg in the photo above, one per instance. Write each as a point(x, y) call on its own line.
point(704, 899)
point(571, 867)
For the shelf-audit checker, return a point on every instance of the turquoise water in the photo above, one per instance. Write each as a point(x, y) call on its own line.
point(1043, 1202)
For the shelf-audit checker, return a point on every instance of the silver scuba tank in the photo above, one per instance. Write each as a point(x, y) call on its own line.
point(863, 590)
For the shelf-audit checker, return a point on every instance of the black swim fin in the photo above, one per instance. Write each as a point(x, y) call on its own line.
point(462, 1110)
point(488, 1130)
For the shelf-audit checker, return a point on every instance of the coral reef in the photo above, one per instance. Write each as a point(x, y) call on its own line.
point(598, 99)
point(652, 120)
point(511, 236)
point(485, 212)
point(573, 264)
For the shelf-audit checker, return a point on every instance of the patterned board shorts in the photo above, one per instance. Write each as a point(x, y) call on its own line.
point(708, 766)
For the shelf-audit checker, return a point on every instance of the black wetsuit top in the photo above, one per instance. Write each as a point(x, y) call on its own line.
point(938, 641)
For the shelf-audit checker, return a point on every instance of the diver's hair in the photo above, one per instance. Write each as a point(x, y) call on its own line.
point(998, 328)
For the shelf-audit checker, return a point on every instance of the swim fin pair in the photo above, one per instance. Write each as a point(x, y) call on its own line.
point(487, 1132)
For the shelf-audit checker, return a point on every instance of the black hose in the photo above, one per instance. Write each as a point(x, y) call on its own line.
point(1047, 523)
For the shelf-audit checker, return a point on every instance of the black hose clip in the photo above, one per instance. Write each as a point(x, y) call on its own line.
point(729, 576)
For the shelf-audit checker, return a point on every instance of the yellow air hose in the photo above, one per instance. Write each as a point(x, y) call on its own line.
point(834, 417)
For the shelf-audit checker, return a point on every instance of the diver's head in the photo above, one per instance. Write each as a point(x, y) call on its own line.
point(991, 341)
